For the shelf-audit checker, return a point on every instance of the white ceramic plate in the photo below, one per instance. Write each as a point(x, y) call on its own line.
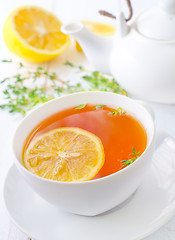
point(148, 209)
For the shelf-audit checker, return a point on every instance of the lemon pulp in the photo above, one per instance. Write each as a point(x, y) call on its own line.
point(33, 34)
point(65, 154)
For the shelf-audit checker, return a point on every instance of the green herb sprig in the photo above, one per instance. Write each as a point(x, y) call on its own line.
point(117, 111)
point(81, 106)
point(99, 81)
point(29, 88)
point(134, 155)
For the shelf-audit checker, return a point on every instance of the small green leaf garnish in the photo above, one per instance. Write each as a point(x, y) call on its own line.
point(115, 112)
point(119, 111)
point(21, 64)
point(6, 60)
point(67, 63)
point(134, 155)
point(99, 106)
point(81, 106)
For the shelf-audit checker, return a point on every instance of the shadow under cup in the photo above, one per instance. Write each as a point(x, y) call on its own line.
point(92, 197)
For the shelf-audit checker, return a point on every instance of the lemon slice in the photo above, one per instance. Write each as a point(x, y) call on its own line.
point(33, 34)
point(65, 154)
point(102, 29)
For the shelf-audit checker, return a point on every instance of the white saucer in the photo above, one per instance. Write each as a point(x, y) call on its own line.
point(150, 207)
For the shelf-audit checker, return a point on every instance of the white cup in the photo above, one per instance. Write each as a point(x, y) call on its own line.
point(95, 196)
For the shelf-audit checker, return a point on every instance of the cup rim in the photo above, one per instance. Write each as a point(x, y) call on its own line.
point(121, 171)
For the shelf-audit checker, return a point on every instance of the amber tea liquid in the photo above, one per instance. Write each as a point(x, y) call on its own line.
point(118, 133)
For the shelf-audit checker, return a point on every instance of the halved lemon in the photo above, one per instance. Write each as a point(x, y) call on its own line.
point(33, 34)
point(65, 154)
point(102, 29)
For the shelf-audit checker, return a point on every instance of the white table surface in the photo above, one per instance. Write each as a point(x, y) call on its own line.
point(67, 10)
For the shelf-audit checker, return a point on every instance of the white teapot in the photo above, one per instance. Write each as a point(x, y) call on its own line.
point(141, 55)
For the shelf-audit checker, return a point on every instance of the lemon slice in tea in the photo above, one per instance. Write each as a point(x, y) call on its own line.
point(65, 154)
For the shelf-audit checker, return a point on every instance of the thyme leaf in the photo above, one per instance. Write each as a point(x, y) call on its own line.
point(69, 64)
point(81, 106)
point(6, 60)
point(99, 106)
point(134, 155)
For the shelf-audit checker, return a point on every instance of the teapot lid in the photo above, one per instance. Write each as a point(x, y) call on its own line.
point(158, 22)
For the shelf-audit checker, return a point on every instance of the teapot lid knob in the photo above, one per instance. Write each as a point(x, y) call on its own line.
point(167, 5)
point(158, 22)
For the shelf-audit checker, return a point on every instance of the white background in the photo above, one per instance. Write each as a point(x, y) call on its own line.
point(67, 10)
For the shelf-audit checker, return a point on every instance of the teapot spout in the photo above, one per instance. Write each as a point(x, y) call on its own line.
point(96, 48)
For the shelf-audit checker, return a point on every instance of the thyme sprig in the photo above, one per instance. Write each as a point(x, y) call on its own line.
point(31, 87)
point(134, 155)
point(98, 81)
point(117, 111)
